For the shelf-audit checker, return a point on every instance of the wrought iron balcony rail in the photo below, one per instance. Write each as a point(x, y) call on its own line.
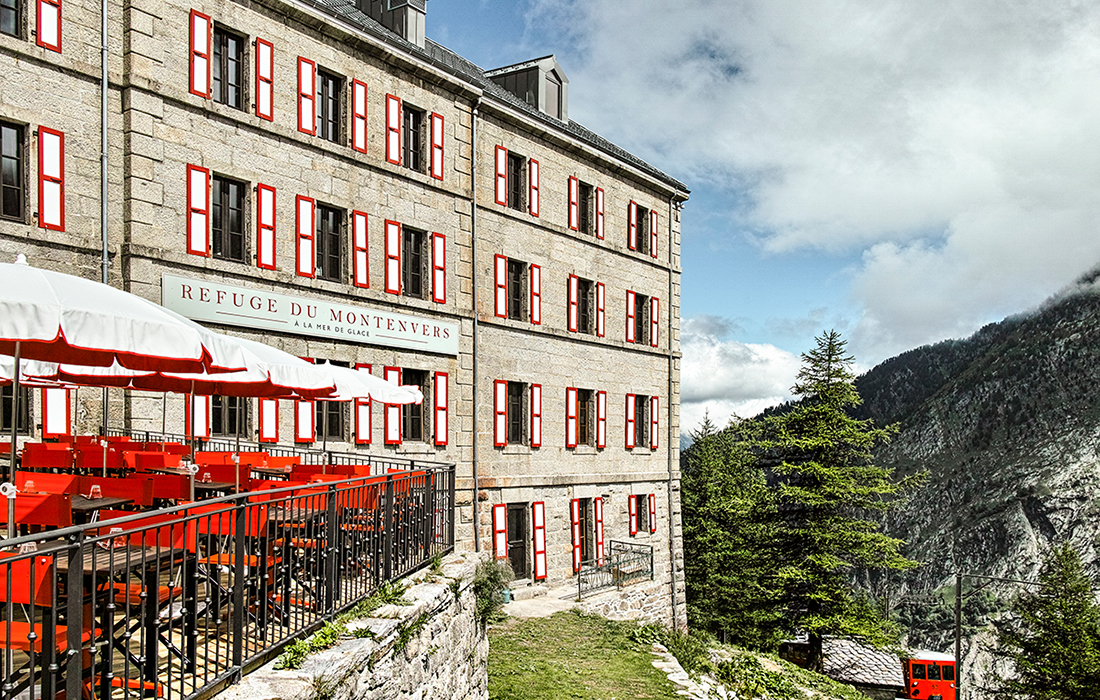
point(625, 563)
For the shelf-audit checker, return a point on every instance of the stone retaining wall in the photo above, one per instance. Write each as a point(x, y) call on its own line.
point(433, 648)
point(643, 602)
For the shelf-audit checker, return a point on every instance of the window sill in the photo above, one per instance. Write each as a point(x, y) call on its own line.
point(516, 450)
point(585, 450)
point(415, 448)
point(641, 451)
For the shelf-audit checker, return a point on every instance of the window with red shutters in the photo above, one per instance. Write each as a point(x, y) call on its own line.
point(438, 134)
point(653, 512)
point(392, 431)
point(197, 416)
point(362, 414)
point(269, 420)
point(574, 203)
point(575, 527)
point(48, 25)
point(654, 321)
point(574, 303)
point(632, 226)
point(500, 531)
point(500, 286)
point(265, 80)
point(571, 417)
point(538, 521)
point(265, 227)
point(654, 422)
point(198, 210)
point(305, 417)
point(393, 257)
point(440, 397)
point(439, 268)
point(632, 508)
point(536, 294)
point(500, 413)
point(393, 129)
point(359, 238)
point(307, 96)
point(599, 213)
point(500, 179)
point(56, 413)
point(598, 504)
point(653, 233)
point(201, 31)
point(631, 419)
point(533, 186)
point(600, 306)
point(601, 419)
point(536, 415)
point(631, 317)
point(359, 116)
point(304, 225)
point(51, 179)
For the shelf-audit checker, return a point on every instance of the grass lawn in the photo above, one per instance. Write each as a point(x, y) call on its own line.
point(571, 655)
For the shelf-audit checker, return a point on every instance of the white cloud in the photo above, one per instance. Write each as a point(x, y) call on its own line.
point(727, 377)
point(952, 142)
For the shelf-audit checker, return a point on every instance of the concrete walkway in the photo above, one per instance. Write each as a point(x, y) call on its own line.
point(556, 600)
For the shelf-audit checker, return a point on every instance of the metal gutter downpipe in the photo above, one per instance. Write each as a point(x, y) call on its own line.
point(671, 432)
point(473, 281)
point(103, 85)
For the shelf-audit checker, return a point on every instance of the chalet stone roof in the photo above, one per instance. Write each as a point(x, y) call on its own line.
point(451, 62)
point(851, 662)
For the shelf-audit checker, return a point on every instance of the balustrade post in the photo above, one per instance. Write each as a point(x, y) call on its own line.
point(237, 620)
point(332, 577)
point(388, 526)
point(74, 615)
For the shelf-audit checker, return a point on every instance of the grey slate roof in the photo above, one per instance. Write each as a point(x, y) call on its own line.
point(451, 62)
point(851, 662)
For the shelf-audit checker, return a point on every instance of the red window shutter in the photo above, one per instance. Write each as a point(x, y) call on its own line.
point(363, 432)
point(197, 416)
point(601, 419)
point(533, 186)
point(654, 422)
point(198, 208)
point(307, 96)
point(630, 420)
point(393, 257)
point(57, 415)
point(598, 507)
point(359, 116)
point(500, 531)
point(574, 215)
point(500, 279)
point(51, 179)
point(632, 502)
point(653, 512)
point(574, 303)
point(538, 521)
point(393, 411)
point(501, 188)
point(654, 321)
point(536, 415)
point(265, 80)
point(439, 268)
point(393, 129)
point(360, 226)
point(269, 420)
point(570, 417)
point(437, 145)
point(575, 523)
point(536, 295)
point(265, 227)
point(600, 306)
point(599, 213)
point(500, 413)
point(440, 396)
point(632, 228)
point(653, 233)
point(630, 311)
point(200, 53)
point(305, 226)
point(304, 418)
point(48, 25)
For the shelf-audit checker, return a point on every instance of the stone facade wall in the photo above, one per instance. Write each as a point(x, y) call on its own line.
point(446, 658)
point(158, 128)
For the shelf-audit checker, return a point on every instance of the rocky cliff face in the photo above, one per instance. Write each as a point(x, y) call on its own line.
point(1007, 423)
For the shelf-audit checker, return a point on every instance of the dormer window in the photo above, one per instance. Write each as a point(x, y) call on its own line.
point(540, 83)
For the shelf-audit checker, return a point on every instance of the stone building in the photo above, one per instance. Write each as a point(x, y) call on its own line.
point(318, 175)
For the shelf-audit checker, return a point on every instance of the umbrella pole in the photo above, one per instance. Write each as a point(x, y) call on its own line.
point(14, 428)
point(324, 438)
point(237, 454)
point(191, 422)
point(163, 415)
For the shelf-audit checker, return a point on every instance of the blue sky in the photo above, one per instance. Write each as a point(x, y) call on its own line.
point(902, 172)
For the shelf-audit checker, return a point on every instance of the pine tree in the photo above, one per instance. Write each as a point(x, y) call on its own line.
point(1053, 639)
point(727, 531)
point(830, 496)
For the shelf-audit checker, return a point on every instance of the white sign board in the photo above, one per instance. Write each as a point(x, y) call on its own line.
point(203, 300)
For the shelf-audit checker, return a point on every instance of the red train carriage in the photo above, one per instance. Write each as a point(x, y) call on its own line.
point(930, 676)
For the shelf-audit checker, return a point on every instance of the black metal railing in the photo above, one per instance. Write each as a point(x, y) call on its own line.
point(625, 563)
point(179, 602)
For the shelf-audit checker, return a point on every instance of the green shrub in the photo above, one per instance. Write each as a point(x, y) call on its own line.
point(490, 579)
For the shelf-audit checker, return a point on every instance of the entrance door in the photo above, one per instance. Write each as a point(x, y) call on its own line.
point(517, 539)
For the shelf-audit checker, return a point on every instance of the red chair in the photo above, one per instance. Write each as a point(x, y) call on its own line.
point(39, 456)
point(171, 487)
point(89, 458)
point(48, 510)
point(139, 487)
point(171, 531)
point(227, 473)
point(283, 462)
point(261, 487)
point(205, 458)
point(45, 482)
